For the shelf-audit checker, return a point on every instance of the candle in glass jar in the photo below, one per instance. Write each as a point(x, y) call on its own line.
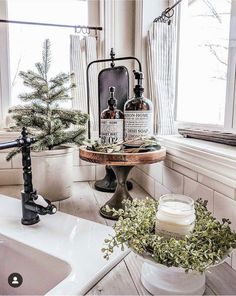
point(175, 216)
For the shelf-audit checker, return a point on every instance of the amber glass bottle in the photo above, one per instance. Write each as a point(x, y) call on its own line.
point(112, 121)
point(138, 112)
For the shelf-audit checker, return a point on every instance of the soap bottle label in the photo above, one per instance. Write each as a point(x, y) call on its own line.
point(138, 124)
point(112, 130)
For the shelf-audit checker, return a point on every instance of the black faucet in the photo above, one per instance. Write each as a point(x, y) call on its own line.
point(30, 209)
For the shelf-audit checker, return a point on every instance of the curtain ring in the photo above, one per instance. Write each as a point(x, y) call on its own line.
point(88, 31)
point(169, 13)
point(84, 30)
point(77, 29)
point(96, 33)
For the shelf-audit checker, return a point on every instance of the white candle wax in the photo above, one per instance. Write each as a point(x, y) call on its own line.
point(175, 216)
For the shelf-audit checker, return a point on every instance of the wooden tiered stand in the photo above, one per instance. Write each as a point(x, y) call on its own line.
point(121, 163)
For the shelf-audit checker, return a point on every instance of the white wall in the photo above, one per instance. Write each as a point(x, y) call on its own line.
point(4, 66)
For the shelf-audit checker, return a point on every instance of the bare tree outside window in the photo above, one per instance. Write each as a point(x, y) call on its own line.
point(203, 61)
point(25, 42)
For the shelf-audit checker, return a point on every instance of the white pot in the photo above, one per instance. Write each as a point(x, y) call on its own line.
point(162, 280)
point(52, 173)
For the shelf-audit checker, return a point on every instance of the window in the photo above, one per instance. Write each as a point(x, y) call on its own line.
point(25, 41)
point(206, 69)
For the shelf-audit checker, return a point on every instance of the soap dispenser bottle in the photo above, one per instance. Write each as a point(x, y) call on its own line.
point(112, 121)
point(138, 112)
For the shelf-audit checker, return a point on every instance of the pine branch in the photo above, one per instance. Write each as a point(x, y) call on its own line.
point(29, 109)
point(39, 67)
point(50, 125)
point(60, 94)
point(75, 117)
point(39, 95)
point(12, 153)
point(46, 57)
point(76, 136)
point(61, 79)
point(35, 121)
point(30, 76)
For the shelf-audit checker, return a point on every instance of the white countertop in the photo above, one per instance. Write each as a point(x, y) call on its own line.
point(74, 240)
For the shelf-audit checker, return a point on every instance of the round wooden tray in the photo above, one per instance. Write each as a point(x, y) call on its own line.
point(122, 159)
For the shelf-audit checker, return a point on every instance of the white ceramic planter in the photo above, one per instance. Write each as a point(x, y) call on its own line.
point(52, 173)
point(161, 280)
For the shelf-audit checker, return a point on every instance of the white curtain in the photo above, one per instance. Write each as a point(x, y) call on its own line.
point(161, 43)
point(83, 50)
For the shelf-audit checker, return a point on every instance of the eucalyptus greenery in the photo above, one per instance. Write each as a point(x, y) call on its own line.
point(209, 243)
point(131, 146)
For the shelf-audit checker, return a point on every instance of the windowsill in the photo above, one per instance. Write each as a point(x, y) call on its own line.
point(214, 160)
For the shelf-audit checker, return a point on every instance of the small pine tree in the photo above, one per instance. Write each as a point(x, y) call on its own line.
point(51, 125)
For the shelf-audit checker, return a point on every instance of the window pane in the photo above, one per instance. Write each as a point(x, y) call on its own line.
point(26, 41)
point(203, 59)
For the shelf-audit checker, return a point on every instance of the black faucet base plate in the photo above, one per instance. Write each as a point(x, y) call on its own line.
point(31, 221)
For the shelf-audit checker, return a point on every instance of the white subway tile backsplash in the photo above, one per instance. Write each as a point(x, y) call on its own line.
point(167, 163)
point(217, 186)
point(143, 180)
point(225, 207)
point(77, 161)
point(160, 190)
point(185, 171)
point(3, 163)
point(133, 173)
point(100, 171)
point(197, 190)
point(11, 177)
point(85, 163)
point(234, 260)
point(82, 163)
point(173, 180)
point(153, 170)
point(17, 161)
point(84, 173)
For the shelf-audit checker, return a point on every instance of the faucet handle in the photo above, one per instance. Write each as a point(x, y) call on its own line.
point(39, 199)
point(45, 203)
point(51, 209)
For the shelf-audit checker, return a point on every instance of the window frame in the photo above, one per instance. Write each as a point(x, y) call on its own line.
point(230, 102)
point(5, 93)
point(5, 87)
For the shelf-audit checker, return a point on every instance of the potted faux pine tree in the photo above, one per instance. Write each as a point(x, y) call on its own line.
point(53, 127)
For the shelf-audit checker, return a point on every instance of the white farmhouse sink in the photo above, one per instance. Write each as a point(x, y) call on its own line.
point(61, 255)
point(40, 271)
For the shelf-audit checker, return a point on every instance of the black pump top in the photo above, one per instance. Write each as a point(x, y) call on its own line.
point(112, 101)
point(138, 89)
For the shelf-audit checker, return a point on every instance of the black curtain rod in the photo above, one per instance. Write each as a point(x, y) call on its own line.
point(52, 25)
point(167, 13)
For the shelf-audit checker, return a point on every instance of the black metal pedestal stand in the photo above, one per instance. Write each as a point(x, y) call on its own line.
point(109, 182)
point(121, 192)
